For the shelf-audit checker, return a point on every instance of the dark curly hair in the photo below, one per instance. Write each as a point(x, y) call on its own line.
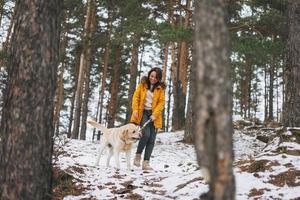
point(158, 76)
point(158, 73)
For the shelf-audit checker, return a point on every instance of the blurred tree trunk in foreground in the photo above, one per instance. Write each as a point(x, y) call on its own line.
point(27, 121)
point(213, 103)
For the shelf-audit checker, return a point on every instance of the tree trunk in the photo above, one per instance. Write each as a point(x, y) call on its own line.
point(59, 98)
point(213, 103)
point(164, 75)
point(266, 115)
point(86, 91)
point(245, 85)
point(60, 83)
point(105, 64)
point(178, 97)
point(26, 125)
point(103, 81)
point(114, 89)
point(73, 91)
point(277, 95)
point(72, 108)
point(292, 90)
point(165, 63)
point(256, 95)
point(89, 52)
point(249, 80)
point(283, 93)
point(271, 90)
point(133, 72)
point(176, 91)
point(59, 94)
point(190, 115)
point(169, 104)
point(97, 113)
point(179, 92)
point(166, 119)
point(170, 7)
point(84, 57)
point(183, 66)
point(141, 61)
point(244, 95)
point(183, 62)
point(178, 118)
point(184, 53)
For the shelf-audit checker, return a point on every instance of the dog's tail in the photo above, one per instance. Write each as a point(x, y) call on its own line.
point(97, 125)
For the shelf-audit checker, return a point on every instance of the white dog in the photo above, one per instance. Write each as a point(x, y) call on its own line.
point(118, 140)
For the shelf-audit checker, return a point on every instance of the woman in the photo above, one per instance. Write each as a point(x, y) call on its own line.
point(148, 103)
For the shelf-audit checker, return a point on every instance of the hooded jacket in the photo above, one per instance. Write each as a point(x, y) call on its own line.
point(158, 103)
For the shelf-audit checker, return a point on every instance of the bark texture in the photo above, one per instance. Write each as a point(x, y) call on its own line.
point(292, 73)
point(114, 89)
point(84, 62)
point(27, 121)
point(133, 72)
point(105, 65)
point(213, 103)
point(189, 135)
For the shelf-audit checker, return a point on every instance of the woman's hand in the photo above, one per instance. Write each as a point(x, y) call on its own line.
point(136, 114)
point(152, 117)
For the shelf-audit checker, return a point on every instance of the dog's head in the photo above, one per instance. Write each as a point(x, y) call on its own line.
point(131, 133)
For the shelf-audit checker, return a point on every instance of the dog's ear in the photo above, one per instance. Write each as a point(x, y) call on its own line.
point(125, 134)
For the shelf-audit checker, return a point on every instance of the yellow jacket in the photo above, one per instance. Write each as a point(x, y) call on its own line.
point(158, 103)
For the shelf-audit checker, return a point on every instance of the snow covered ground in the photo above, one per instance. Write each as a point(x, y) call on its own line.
point(260, 173)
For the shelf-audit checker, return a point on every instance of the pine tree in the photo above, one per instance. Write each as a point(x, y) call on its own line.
point(213, 103)
point(292, 80)
point(27, 120)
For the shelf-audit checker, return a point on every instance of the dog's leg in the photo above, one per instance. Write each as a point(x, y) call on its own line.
point(109, 156)
point(128, 157)
point(116, 155)
point(101, 149)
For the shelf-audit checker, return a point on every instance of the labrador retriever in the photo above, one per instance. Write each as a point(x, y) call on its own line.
point(118, 140)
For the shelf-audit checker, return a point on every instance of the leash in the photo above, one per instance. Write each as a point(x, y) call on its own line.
point(146, 123)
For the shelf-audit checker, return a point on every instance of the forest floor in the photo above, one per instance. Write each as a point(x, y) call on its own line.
point(263, 170)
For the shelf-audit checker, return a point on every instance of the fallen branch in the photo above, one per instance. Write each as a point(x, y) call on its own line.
point(185, 184)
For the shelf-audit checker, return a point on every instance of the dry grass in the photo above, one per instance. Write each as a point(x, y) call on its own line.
point(257, 192)
point(64, 185)
point(257, 165)
point(288, 178)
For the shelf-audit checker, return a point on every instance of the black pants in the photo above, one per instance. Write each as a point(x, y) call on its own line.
point(148, 138)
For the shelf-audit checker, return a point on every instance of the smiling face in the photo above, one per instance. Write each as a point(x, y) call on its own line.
point(153, 78)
